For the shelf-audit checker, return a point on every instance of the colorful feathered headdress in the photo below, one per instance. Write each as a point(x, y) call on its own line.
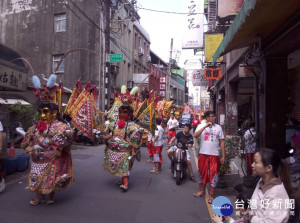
point(46, 93)
point(126, 97)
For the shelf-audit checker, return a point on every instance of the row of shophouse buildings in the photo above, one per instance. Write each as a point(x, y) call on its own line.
point(260, 69)
point(74, 39)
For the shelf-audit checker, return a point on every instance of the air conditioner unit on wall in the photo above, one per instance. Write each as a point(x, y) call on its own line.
point(141, 51)
point(148, 58)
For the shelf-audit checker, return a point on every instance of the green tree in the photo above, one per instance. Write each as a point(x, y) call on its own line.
point(24, 114)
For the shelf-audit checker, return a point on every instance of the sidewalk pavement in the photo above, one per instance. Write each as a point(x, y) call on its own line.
point(233, 179)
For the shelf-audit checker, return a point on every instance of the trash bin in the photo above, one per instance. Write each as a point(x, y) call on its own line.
point(23, 161)
point(11, 165)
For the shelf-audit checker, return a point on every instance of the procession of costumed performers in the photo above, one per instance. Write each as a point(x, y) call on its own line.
point(48, 143)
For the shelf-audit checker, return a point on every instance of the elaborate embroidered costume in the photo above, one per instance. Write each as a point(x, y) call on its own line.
point(119, 148)
point(48, 144)
point(51, 163)
point(123, 137)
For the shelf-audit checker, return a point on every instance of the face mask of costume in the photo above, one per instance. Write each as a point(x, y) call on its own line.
point(45, 115)
point(124, 114)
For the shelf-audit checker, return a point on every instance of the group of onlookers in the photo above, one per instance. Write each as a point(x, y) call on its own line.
point(276, 195)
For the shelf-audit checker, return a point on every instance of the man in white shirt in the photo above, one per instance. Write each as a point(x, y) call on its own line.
point(211, 141)
point(172, 126)
point(158, 146)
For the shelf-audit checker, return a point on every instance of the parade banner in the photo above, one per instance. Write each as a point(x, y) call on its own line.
point(192, 37)
point(166, 108)
point(147, 119)
point(113, 114)
point(159, 107)
point(82, 117)
point(212, 42)
point(141, 108)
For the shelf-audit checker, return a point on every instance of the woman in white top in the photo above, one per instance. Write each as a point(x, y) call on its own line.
point(270, 200)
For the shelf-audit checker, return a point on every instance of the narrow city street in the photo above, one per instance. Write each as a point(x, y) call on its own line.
point(95, 196)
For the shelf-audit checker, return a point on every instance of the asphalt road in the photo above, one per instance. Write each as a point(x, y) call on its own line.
point(95, 197)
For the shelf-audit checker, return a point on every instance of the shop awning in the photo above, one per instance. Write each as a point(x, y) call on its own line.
point(256, 18)
point(13, 101)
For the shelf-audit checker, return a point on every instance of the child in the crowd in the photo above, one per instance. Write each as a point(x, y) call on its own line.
point(150, 147)
point(158, 146)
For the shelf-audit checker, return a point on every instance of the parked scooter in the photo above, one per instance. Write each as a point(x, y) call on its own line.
point(79, 137)
point(179, 162)
point(17, 135)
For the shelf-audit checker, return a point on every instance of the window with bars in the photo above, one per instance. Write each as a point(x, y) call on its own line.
point(60, 23)
point(56, 60)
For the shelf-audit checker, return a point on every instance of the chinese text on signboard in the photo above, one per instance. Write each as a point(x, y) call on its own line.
point(193, 25)
point(11, 78)
point(212, 74)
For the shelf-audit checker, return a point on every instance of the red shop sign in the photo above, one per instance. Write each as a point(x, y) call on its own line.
point(210, 74)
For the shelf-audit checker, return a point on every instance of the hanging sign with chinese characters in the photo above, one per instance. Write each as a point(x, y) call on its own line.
point(162, 87)
point(162, 80)
point(12, 79)
point(192, 37)
point(212, 74)
point(197, 77)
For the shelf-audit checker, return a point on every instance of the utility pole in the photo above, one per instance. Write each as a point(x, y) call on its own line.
point(168, 78)
point(107, 52)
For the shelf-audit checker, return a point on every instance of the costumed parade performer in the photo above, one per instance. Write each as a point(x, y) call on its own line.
point(48, 143)
point(123, 139)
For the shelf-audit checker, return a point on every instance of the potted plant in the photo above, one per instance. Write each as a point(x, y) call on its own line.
point(231, 151)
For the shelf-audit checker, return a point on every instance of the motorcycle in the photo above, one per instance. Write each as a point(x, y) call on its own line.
point(79, 137)
point(179, 162)
point(98, 137)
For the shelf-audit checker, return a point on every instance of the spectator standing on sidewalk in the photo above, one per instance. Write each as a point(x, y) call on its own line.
point(2, 182)
point(158, 146)
point(250, 146)
point(150, 147)
point(172, 126)
point(196, 122)
point(211, 141)
point(270, 190)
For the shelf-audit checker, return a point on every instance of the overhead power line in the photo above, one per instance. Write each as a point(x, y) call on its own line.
point(182, 13)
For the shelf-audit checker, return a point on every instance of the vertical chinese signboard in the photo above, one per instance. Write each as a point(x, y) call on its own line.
point(162, 86)
point(212, 42)
point(192, 37)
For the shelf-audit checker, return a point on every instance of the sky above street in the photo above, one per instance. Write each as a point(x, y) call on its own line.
point(164, 26)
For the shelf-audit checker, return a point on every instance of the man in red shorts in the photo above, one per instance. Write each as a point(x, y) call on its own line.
point(211, 141)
